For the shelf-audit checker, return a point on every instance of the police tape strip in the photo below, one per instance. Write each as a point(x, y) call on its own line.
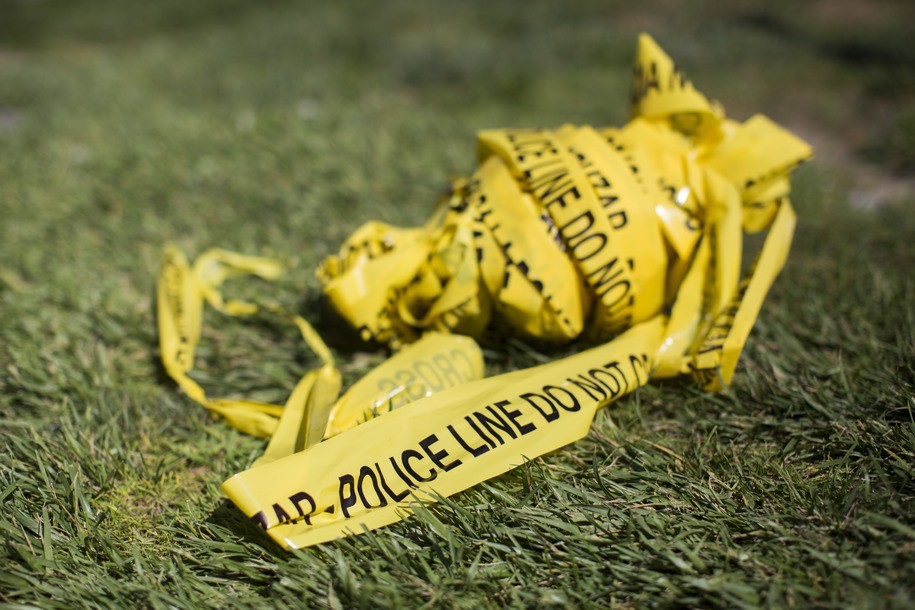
point(559, 234)
point(439, 445)
point(181, 292)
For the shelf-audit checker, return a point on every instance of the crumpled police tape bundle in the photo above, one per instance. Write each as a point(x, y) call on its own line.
point(628, 237)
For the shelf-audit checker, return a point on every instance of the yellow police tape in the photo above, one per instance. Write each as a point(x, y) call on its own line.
point(630, 238)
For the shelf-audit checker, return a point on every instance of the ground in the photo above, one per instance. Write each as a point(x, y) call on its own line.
point(278, 127)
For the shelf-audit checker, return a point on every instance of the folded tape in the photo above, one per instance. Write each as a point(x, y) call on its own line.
point(630, 238)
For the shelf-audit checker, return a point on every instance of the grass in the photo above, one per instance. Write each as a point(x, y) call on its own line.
point(276, 129)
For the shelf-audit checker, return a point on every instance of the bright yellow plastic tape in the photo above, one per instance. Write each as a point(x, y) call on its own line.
point(312, 411)
point(439, 445)
point(629, 237)
point(434, 363)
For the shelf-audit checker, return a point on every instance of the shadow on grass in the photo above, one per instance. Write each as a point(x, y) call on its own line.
point(334, 329)
point(226, 515)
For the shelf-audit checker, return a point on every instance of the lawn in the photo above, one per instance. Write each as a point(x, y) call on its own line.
point(277, 128)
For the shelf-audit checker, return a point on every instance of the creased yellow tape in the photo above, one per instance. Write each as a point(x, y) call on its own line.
point(628, 237)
